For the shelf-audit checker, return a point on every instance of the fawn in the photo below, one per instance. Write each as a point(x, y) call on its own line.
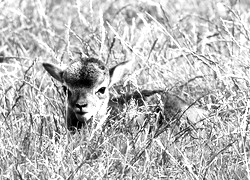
point(86, 82)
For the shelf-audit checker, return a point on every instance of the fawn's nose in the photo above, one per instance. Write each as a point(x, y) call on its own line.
point(80, 106)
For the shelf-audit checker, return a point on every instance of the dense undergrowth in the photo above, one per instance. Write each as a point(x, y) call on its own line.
point(196, 49)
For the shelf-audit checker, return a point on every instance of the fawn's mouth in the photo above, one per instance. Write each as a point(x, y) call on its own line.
point(83, 116)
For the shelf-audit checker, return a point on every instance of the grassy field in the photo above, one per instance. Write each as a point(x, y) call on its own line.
point(198, 50)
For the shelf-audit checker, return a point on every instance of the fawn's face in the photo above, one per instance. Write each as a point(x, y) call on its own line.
point(86, 84)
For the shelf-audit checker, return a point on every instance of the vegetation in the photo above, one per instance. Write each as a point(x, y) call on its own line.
point(196, 49)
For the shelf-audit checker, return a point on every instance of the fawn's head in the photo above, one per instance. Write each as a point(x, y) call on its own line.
point(86, 83)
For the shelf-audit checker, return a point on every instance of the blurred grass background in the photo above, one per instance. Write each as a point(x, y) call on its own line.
point(192, 48)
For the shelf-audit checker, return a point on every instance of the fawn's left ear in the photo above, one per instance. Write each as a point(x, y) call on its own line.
point(54, 71)
point(117, 72)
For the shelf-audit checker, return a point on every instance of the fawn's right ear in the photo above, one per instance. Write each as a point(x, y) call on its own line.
point(54, 71)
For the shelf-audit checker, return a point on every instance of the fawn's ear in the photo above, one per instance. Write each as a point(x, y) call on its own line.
point(117, 72)
point(54, 71)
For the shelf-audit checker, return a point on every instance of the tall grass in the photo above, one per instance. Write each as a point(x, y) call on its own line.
point(196, 49)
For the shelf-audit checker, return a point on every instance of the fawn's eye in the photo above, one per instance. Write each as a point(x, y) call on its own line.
point(66, 90)
point(101, 90)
